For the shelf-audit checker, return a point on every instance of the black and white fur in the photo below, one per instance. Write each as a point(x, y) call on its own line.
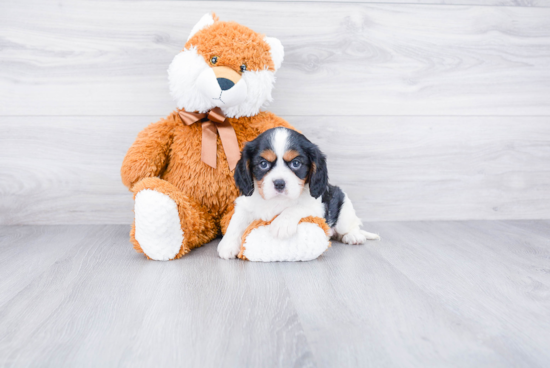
point(282, 173)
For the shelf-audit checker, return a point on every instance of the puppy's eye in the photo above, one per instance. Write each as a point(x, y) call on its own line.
point(295, 164)
point(243, 68)
point(264, 165)
point(214, 60)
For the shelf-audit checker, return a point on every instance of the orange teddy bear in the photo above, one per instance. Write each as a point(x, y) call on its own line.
point(180, 168)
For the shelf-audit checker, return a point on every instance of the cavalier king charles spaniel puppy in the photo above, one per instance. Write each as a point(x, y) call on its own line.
point(282, 173)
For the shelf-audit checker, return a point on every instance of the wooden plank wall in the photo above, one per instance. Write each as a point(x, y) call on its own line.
point(427, 109)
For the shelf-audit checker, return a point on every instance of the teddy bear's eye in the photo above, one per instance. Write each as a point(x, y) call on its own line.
point(243, 68)
point(214, 60)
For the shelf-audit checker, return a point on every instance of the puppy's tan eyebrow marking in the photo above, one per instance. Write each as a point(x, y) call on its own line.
point(290, 155)
point(269, 155)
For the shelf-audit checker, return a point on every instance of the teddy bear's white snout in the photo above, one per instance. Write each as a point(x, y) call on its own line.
point(222, 92)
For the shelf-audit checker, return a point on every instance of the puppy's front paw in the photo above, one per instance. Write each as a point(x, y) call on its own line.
point(283, 227)
point(358, 236)
point(228, 249)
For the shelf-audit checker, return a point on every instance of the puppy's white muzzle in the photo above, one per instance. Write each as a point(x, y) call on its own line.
point(281, 183)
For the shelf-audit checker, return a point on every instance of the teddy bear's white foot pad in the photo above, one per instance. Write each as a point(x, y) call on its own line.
point(158, 228)
point(309, 242)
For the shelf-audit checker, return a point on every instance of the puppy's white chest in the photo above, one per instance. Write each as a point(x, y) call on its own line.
point(267, 210)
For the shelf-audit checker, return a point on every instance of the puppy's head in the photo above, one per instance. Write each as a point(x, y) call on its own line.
point(280, 162)
point(226, 65)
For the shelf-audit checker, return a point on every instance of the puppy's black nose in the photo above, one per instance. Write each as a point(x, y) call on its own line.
point(225, 83)
point(279, 185)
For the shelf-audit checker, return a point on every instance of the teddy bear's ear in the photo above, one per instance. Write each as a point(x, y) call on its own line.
point(277, 51)
point(206, 21)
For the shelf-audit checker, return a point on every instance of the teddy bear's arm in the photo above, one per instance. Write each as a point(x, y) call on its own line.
point(148, 155)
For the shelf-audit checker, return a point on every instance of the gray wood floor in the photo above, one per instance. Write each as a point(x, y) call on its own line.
point(474, 293)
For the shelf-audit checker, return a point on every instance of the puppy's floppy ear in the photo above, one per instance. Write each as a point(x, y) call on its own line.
point(318, 173)
point(243, 172)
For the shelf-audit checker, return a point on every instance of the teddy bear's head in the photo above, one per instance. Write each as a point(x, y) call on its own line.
point(226, 65)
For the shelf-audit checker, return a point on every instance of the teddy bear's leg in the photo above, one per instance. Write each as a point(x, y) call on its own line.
point(226, 218)
point(168, 224)
point(309, 242)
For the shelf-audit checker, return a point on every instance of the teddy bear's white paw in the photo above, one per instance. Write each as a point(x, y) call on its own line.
point(358, 236)
point(228, 249)
point(283, 226)
point(158, 227)
point(309, 242)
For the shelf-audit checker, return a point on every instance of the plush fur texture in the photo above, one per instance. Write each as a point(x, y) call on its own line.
point(193, 83)
point(158, 225)
point(206, 21)
point(166, 156)
point(309, 242)
point(234, 44)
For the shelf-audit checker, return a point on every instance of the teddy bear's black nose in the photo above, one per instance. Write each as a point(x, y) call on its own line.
point(225, 83)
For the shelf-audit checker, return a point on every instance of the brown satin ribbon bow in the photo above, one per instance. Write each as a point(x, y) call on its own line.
point(214, 123)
